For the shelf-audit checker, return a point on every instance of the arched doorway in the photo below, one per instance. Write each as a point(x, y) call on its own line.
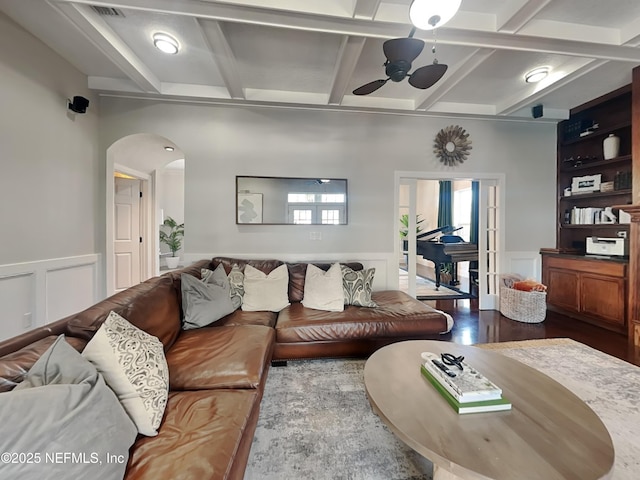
point(134, 167)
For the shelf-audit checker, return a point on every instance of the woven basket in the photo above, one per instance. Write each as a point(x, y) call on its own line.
point(527, 307)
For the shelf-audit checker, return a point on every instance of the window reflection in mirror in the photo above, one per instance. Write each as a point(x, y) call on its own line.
point(291, 201)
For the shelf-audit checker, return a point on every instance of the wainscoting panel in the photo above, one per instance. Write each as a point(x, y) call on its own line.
point(527, 264)
point(33, 294)
point(59, 301)
point(17, 305)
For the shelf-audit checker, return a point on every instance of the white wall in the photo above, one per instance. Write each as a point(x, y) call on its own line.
point(171, 199)
point(50, 186)
point(220, 142)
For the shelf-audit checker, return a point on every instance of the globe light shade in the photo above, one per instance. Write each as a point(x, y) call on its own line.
point(430, 14)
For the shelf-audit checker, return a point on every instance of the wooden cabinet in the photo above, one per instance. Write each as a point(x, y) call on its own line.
point(580, 155)
point(590, 289)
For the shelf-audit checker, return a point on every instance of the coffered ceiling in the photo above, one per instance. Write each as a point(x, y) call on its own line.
point(314, 53)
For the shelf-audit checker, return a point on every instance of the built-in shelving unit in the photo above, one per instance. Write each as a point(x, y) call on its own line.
point(593, 289)
point(582, 156)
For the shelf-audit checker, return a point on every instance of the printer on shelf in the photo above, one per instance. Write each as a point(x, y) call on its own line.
point(616, 247)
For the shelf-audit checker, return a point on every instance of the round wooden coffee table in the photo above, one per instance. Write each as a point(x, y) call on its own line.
point(548, 434)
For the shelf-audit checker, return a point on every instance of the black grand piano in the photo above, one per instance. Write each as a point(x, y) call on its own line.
point(440, 246)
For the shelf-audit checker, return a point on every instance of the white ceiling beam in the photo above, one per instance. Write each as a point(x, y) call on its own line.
point(453, 77)
point(348, 56)
point(366, 9)
point(96, 30)
point(367, 28)
point(630, 34)
point(514, 16)
point(280, 96)
point(216, 40)
point(464, 108)
point(522, 43)
point(571, 32)
point(538, 92)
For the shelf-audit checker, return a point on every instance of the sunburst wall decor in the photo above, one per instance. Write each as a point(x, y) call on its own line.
point(452, 145)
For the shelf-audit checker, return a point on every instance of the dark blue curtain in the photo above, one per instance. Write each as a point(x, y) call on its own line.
point(475, 201)
point(445, 212)
point(473, 229)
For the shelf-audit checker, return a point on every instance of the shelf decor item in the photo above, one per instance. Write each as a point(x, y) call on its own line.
point(587, 183)
point(611, 146)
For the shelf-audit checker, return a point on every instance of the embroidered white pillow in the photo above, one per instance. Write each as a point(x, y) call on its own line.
point(133, 364)
point(264, 292)
point(323, 290)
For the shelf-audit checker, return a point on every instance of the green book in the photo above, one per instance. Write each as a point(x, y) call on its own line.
point(494, 405)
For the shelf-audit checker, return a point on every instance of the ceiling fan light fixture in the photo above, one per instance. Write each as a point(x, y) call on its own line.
point(536, 74)
point(166, 43)
point(430, 14)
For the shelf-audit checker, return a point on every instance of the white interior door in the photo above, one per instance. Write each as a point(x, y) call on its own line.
point(407, 205)
point(126, 230)
point(489, 245)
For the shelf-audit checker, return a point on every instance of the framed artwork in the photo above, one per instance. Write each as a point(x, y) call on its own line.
point(586, 184)
point(249, 208)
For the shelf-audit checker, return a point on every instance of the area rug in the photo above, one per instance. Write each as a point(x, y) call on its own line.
point(426, 288)
point(316, 422)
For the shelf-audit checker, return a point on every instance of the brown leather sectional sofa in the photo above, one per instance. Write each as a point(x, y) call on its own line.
point(217, 374)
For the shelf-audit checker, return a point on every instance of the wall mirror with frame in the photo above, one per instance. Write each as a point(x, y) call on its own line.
point(291, 201)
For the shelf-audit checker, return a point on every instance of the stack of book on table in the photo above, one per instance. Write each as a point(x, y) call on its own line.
point(466, 390)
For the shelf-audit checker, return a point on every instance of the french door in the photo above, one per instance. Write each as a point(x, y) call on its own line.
point(490, 235)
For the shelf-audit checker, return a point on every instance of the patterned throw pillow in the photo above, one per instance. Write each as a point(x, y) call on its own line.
point(133, 364)
point(236, 280)
point(357, 286)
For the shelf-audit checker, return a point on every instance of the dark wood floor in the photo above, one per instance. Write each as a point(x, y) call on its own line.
point(488, 326)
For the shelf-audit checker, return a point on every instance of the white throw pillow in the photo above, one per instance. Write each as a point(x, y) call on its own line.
point(133, 364)
point(323, 290)
point(264, 292)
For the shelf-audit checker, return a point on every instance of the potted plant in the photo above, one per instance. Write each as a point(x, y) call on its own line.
point(404, 220)
point(173, 239)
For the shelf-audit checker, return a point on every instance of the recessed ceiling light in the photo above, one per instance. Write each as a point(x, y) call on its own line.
point(429, 14)
point(166, 43)
point(169, 149)
point(536, 74)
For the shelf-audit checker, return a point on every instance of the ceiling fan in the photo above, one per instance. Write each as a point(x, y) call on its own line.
point(400, 52)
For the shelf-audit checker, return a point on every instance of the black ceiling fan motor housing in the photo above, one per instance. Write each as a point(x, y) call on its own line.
point(397, 70)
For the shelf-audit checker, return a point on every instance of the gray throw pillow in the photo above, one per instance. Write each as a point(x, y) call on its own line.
point(357, 286)
point(219, 277)
point(65, 421)
point(203, 303)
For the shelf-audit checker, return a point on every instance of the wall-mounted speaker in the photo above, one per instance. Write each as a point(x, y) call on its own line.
point(536, 111)
point(79, 105)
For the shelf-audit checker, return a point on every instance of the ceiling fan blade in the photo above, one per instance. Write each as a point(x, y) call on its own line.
point(370, 87)
point(406, 49)
point(426, 76)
